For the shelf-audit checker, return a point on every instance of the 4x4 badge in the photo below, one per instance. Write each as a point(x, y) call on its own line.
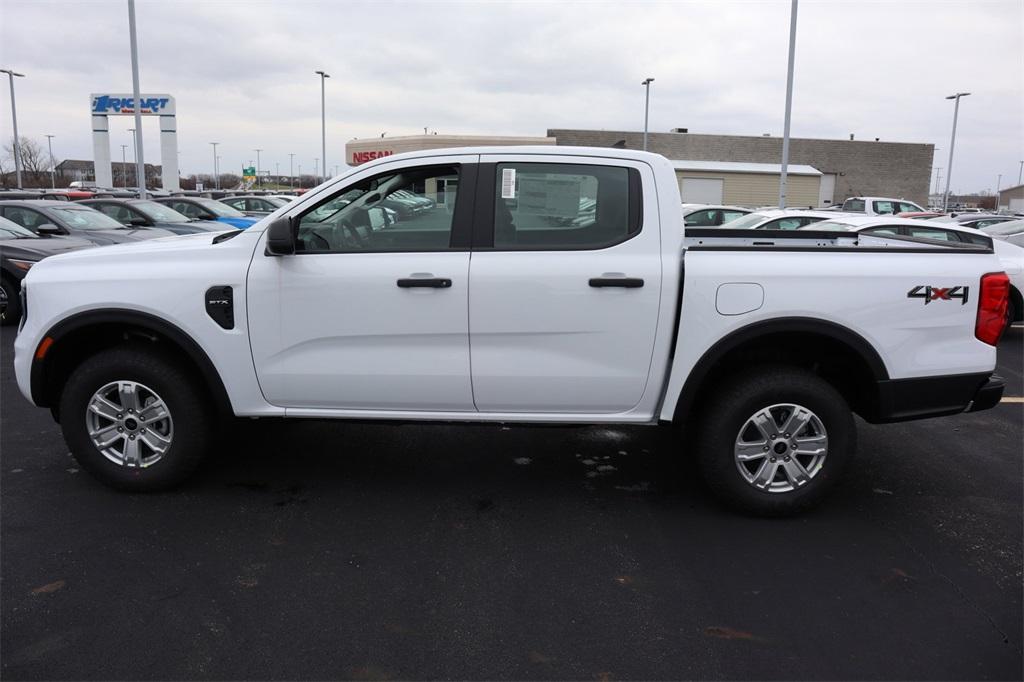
point(930, 294)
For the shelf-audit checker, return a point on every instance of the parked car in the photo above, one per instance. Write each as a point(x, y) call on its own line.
point(1011, 256)
point(759, 351)
point(20, 249)
point(11, 194)
point(704, 215)
point(146, 213)
point(254, 205)
point(198, 208)
point(975, 220)
point(880, 206)
point(920, 215)
point(1011, 231)
point(284, 197)
point(60, 219)
point(778, 219)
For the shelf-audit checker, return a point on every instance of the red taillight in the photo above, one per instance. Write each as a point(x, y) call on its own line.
point(992, 304)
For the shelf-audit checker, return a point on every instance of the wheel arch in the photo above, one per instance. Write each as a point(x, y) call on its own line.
point(79, 336)
point(838, 354)
point(1018, 304)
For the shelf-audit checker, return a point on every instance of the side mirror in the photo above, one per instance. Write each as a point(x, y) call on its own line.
point(48, 229)
point(138, 222)
point(281, 237)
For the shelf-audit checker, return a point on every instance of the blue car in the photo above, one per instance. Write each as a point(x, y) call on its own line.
point(198, 208)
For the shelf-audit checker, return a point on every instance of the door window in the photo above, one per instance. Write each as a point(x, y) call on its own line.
point(731, 215)
point(853, 206)
point(883, 230)
point(411, 209)
point(552, 206)
point(906, 207)
point(25, 217)
point(786, 224)
point(189, 210)
point(883, 207)
point(706, 218)
point(118, 213)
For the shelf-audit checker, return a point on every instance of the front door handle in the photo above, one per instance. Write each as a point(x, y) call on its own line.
point(624, 282)
point(429, 282)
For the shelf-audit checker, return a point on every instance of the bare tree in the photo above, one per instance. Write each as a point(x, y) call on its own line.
point(35, 161)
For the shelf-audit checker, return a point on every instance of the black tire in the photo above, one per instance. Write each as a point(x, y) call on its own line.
point(10, 292)
point(736, 401)
point(189, 406)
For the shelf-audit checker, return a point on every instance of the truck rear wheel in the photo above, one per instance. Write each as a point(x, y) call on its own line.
point(135, 420)
point(774, 440)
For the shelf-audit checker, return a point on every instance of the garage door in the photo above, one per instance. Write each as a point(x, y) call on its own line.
point(702, 190)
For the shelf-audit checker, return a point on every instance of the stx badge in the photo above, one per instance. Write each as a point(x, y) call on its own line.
point(930, 294)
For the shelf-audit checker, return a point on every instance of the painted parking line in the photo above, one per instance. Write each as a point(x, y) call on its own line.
point(1012, 399)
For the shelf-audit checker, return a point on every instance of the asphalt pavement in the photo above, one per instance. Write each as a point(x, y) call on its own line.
point(313, 550)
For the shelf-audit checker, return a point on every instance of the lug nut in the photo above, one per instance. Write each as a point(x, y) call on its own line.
point(774, 436)
point(131, 409)
point(120, 416)
point(142, 431)
point(787, 435)
point(766, 448)
point(132, 437)
point(119, 429)
point(787, 458)
point(773, 459)
point(794, 446)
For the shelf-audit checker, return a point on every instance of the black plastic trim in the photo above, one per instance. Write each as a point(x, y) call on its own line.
point(989, 395)
point(38, 375)
point(919, 398)
point(623, 282)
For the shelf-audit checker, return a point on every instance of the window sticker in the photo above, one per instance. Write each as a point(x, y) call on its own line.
point(508, 183)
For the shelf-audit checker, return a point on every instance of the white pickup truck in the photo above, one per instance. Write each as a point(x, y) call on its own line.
point(543, 284)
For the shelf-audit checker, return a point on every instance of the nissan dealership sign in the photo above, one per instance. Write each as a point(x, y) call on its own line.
point(363, 157)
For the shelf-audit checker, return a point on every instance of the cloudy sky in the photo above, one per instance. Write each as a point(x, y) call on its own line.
point(243, 72)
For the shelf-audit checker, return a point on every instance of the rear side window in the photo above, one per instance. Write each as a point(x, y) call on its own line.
point(728, 216)
point(550, 206)
point(909, 208)
point(785, 224)
point(931, 233)
point(705, 218)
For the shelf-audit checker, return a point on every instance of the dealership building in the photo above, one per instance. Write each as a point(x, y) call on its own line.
point(730, 169)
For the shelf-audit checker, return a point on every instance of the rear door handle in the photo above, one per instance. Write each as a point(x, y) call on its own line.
point(624, 282)
point(429, 282)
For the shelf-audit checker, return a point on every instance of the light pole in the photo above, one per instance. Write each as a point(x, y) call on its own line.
point(53, 170)
point(11, 75)
point(124, 164)
point(999, 181)
point(140, 169)
point(323, 119)
point(789, 105)
point(216, 175)
point(647, 105)
point(316, 171)
point(258, 182)
point(952, 141)
point(300, 175)
point(1020, 172)
point(277, 173)
point(291, 170)
point(135, 157)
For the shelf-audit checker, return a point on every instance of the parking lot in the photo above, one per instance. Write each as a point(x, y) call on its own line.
point(327, 550)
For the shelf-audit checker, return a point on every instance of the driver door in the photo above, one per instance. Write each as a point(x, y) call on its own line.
point(371, 312)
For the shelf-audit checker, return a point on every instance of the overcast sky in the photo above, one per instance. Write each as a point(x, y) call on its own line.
point(242, 72)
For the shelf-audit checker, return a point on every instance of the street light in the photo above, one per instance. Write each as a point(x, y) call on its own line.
point(999, 181)
point(258, 183)
point(938, 173)
point(277, 173)
point(291, 170)
point(323, 119)
point(53, 171)
point(1020, 172)
point(124, 171)
point(135, 158)
point(316, 171)
point(789, 106)
point(11, 75)
point(647, 106)
point(216, 175)
point(952, 141)
point(140, 169)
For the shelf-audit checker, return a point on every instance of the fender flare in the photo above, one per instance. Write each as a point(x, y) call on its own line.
point(785, 325)
point(39, 379)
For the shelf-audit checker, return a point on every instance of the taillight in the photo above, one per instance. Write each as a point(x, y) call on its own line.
point(992, 305)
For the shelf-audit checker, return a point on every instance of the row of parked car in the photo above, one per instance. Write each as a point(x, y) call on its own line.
point(37, 224)
point(886, 216)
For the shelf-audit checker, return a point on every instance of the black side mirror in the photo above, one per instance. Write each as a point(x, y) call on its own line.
point(281, 237)
point(48, 229)
point(138, 222)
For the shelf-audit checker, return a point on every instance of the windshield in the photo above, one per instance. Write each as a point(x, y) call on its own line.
point(1012, 227)
point(748, 221)
point(219, 209)
point(84, 218)
point(12, 230)
point(158, 212)
point(831, 225)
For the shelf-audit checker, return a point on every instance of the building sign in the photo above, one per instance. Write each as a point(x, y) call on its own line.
point(363, 157)
point(124, 105)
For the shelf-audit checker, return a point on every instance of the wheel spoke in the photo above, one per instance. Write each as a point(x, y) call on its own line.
point(746, 452)
point(797, 421)
point(103, 432)
point(812, 445)
point(104, 407)
point(129, 394)
point(109, 440)
point(765, 474)
point(765, 423)
point(132, 457)
point(795, 472)
point(154, 411)
point(155, 442)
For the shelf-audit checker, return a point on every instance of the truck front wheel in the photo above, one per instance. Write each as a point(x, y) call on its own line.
point(134, 419)
point(774, 440)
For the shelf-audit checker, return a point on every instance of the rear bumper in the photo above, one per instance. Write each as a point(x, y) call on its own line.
point(905, 399)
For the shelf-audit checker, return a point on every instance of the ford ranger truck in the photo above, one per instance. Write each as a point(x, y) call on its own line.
point(541, 285)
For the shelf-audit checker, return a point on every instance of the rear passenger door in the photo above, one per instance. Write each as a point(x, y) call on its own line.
point(565, 284)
